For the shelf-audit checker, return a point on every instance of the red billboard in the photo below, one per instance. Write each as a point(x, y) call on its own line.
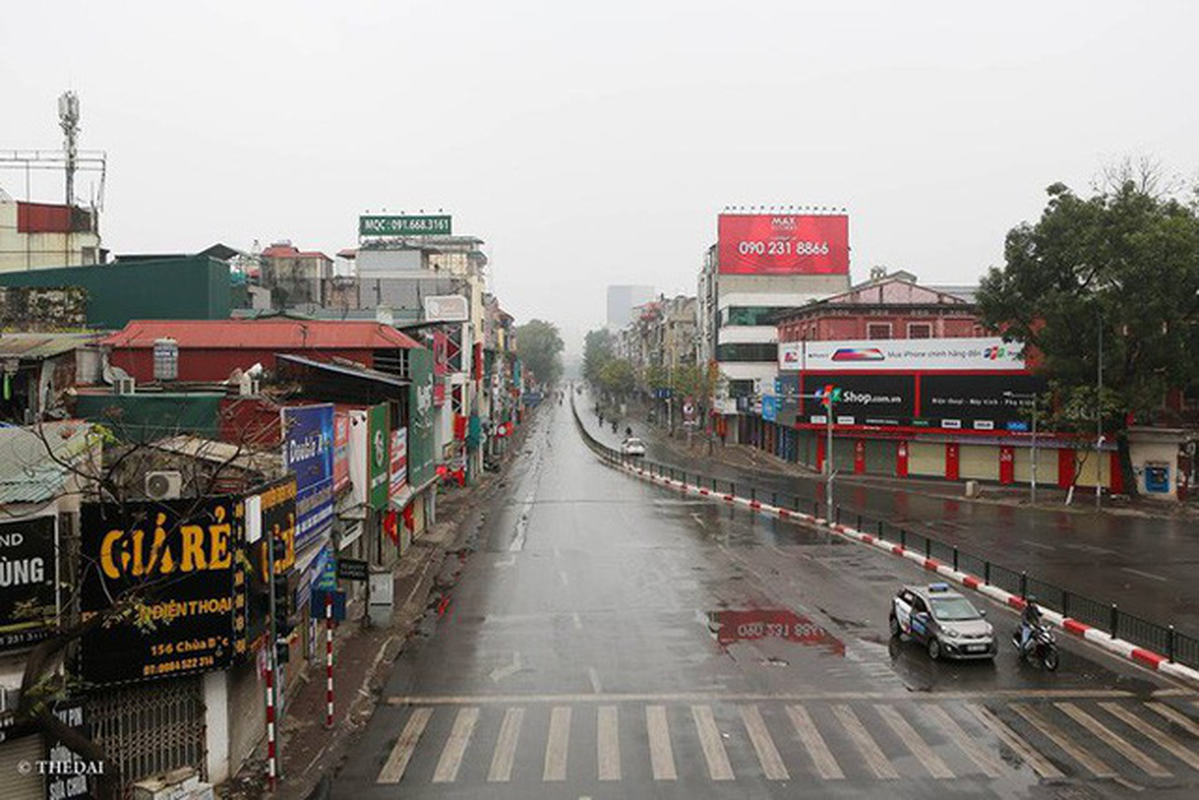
point(783, 244)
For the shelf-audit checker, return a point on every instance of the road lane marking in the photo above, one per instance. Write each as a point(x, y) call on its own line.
point(507, 562)
point(965, 742)
point(401, 753)
point(1163, 740)
point(596, 686)
point(1038, 545)
point(506, 671)
point(577, 620)
point(750, 697)
point(505, 747)
point(759, 736)
point(557, 744)
point(608, 743)
point(1039, 763)
point(826, 766)
point(455, 746)
point(1148, 575)
point(709, 739)
point(869, 749)
point(1115, 742)
point(1175, 716)
point(1093, 764)
point(915, 743)
point(661, 752)
point(562, 577)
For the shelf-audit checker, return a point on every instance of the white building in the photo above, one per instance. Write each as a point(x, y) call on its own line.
point(42, 235)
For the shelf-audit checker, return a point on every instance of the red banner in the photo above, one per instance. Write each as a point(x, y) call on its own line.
point(783, 244)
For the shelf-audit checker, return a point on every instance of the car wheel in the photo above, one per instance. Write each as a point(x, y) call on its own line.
point(896, 631)
point(934, 648)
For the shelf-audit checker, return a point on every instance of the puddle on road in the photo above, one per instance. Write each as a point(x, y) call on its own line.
point(731, 627)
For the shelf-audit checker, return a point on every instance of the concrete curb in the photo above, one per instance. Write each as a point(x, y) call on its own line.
point(1080, 630)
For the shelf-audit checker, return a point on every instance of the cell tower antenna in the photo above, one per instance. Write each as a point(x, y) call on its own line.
point(68, 120)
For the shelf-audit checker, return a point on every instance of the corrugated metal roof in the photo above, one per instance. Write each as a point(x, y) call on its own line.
point(42, 345)
point(236, 455)
point(353, 372)
point(261, 334)
point(30, 468)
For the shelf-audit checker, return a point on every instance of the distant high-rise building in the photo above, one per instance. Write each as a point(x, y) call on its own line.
point(621, 301)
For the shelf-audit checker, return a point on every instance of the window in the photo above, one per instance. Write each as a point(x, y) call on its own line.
point(747, 315)
point(920, 330)
point(747, 352)
point(878, 330)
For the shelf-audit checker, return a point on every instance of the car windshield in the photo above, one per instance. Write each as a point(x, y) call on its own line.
point(635, 442)
point(953, 609)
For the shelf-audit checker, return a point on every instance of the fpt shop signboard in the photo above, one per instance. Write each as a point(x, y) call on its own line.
point(180, 557)
point(783, 244)
point(982, 354)
point(28, 580)
point(308, 453)
point(378, 451)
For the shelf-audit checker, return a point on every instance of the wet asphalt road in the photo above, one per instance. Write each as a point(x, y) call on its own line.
point(612, 639)
point(1144, 564)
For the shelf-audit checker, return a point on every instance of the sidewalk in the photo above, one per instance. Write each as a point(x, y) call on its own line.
point(363, 655)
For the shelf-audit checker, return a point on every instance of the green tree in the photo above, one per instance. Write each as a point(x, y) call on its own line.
point(540, 349)
point(599, 347)
point(1121, 266)
point(617, 377)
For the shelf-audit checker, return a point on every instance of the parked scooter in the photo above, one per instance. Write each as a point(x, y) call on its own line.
point(1041, 648)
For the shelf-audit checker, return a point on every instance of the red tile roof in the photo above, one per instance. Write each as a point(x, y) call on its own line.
point(289, 251)
point(261, 334)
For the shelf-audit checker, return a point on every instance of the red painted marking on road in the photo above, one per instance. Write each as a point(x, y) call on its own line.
point(1147, 657)
point(754, 504)
point(1075, 627)
point(1016, 602)
point(971, 582)
point(784, 513)
point(704, 492)
point(728, 498)
point(897, 549)
point(931, 564)
point(867, 538)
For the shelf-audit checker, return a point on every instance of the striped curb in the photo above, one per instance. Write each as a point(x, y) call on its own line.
point(1080, 630)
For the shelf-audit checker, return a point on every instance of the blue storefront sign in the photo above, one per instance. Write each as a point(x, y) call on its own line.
point(770, 408)
point(308, 452)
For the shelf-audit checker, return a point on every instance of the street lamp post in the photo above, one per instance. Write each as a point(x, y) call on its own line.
point(1031, 398)
point(1099, 418)
point(828, 399)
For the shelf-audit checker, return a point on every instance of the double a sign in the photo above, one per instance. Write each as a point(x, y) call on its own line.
point(405, 225)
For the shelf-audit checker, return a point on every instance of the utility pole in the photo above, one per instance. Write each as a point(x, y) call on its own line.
point(829, 398)
point(1099, 417)
point(1031, 398)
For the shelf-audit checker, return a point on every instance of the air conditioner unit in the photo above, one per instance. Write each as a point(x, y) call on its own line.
point(123, 385)
point(165, 485)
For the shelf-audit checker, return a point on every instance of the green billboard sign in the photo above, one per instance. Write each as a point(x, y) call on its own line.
point(405, 225)
point(378, 456)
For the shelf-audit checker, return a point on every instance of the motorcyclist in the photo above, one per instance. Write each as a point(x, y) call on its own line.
point(614, 426)
point(628, 433)
point(1030, 620)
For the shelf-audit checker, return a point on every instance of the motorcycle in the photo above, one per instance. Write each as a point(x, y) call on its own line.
point(1041, 648)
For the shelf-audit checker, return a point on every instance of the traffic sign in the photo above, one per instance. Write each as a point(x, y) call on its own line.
point(352, 569)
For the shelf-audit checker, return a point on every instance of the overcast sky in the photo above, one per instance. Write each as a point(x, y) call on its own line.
point(595, 143)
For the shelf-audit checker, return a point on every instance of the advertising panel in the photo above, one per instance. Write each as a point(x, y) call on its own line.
point(783, 244)
point(976, 402)
point(404, 225)
point(308, 453)
point(341, 452)
point(865, 399)
point(770, 407)
point(378, 465)
point(421, 399)
point(28, 580)
point(399, 461)
point(446, 308)
point(916, 355)
point(179, 557)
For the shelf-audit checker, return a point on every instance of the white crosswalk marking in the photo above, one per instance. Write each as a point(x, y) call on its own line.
point(401, 753)
point(1160, 737)
point(661, 753)
point(875, 758)
point(966, 743)
point(915, 743)
point(505, 747)
point(455, 746)
point(1054, 734)
point(557, 744)
point(709, 739)
point(826, 766)
point(1109, 737)
point(1018, 746)
point(768, 754)
point(1175, 716)
point(608, 743)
